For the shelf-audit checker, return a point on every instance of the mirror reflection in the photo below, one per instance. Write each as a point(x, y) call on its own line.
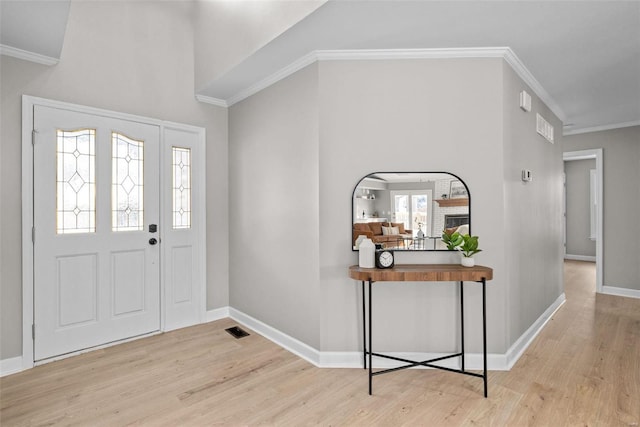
point(409, 210)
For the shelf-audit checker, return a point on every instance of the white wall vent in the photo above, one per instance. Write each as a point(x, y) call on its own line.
point(544, 128)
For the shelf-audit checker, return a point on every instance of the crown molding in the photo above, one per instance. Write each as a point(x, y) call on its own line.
point(390, 54)
point(601, 128)
point(211, 100)
point(386, 54)
point(365, 55)
point(295, 66)
point(517, 65)
point(27, 56)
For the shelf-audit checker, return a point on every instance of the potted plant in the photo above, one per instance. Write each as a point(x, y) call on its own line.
point(469, 248)
point(466, 244)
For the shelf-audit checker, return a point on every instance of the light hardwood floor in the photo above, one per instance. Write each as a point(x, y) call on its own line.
point(583, 369)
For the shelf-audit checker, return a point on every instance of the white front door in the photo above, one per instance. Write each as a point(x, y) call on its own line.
point(96, 201)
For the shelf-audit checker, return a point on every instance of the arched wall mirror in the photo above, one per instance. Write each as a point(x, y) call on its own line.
point(408, 211)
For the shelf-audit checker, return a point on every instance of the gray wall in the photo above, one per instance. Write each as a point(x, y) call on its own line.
point(274, 207)
point(532, 228)
point(621, 158)
point(326, 126)
point(134, 57)
point(409, 115)
point(579, 207)
point(423, 110)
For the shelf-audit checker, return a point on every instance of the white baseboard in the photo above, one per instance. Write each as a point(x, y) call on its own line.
point(340, 359)
point(518, 348)
point(621, 292)
point(580, 257)
point(353, 359)
point(216, 314)
point(10, 366)
point(285, 341)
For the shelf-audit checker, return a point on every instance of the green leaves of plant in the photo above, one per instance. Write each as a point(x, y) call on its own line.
point(470, 245)
point(467, 244)
point(452, 240)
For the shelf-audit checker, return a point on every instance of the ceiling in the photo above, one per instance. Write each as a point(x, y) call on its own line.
point(394, 177)
point(585, 55)
point(33, 30)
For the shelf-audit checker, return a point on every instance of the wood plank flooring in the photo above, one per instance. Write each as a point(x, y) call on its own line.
point(583, 369)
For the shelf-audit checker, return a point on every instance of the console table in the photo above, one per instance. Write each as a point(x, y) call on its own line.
point(423, 273)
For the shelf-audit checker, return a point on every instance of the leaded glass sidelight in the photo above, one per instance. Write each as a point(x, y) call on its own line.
point(127, 195)
point(181, 187)
point(75, 181)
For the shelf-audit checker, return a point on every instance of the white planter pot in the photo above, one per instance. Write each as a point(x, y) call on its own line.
point(467, 261)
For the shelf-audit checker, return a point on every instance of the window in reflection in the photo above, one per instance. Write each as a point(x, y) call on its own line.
point(409, 211)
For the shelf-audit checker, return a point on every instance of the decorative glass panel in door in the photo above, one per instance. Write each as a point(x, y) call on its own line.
point(76, 181)
point(93, 285)
point(127, 174)
point(181, 206)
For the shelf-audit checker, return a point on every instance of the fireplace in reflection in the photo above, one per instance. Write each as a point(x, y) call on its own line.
point(456, 220)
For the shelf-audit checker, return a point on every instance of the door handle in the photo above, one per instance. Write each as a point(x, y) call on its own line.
point(153, 241)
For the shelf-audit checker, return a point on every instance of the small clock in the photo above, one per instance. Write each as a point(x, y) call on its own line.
point(384, 259)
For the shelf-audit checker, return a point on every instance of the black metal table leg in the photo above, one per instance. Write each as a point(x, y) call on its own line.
point(462, 323)
point(370, 343)
point(364, 330)
point(484, 333)
point(367, 341)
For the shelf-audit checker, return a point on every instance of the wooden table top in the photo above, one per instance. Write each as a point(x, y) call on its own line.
point(422, 273)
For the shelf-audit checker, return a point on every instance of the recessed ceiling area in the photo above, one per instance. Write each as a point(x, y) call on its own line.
point(33, 30)
point(586, 55)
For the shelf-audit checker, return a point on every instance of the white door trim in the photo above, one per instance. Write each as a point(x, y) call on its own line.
point(28, 103)
point(597, 155)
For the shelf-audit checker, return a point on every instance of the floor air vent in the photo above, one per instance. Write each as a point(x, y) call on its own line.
point(237, 332)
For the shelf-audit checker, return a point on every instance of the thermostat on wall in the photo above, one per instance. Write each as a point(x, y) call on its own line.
point(526, 175)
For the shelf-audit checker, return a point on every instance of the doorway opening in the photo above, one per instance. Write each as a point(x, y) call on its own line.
point(595, 208)
point(579, 283)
